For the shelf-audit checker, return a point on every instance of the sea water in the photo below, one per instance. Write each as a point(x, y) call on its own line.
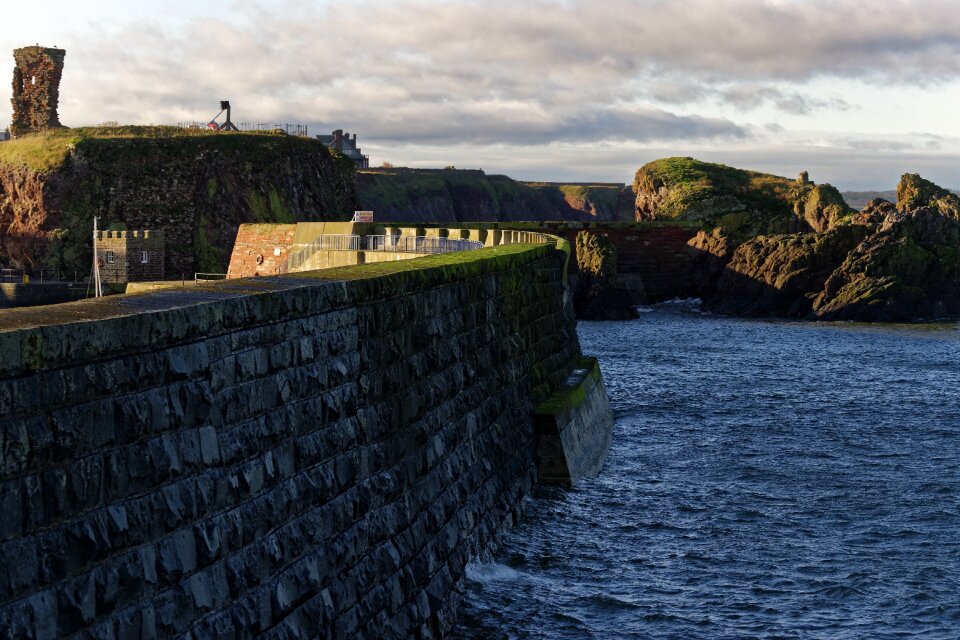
point(767, 479)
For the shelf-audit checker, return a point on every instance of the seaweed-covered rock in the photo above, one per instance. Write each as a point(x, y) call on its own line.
point(746, 203)
point(908, 270)
point(599, 293)
point(781, 275)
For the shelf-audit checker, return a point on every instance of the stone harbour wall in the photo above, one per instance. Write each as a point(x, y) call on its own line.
point(278, 457)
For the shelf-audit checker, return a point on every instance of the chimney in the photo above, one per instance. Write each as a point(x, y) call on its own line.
point(354, 139)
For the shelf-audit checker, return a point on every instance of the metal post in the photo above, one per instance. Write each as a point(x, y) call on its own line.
point(97, 286)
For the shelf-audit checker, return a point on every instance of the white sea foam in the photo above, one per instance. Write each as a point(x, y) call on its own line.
point(487, 572)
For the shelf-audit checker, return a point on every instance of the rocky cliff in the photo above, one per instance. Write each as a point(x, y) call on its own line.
point(600, 294)
point(886, 263)
point(745, 203)
point(456, 195)
point(195, 185)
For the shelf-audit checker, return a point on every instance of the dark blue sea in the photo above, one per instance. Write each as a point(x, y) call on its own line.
point(766, 480)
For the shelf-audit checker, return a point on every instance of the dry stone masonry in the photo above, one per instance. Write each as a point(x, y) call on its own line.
point(130, 256)
point(276, 457)
point(36, 89)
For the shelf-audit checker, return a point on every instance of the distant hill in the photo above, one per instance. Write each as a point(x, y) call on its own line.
point(469, 195)
point(859, 199)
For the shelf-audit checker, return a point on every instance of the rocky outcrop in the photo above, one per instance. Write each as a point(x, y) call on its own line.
point(781, 275)
point(599, 293)
point(745, 203)
point(821, 207)
point(880, 265)
point(908, 270)
point(874, 213)
point(195, 186)
point(709, 254)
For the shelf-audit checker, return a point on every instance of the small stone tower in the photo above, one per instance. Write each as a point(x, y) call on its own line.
point(36, 89)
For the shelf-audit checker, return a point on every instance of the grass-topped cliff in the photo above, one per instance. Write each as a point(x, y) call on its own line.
point(746, 203)
point(194, 184)
point(457, 195)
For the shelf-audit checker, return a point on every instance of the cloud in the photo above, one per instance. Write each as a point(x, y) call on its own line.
point(752, 96)
point(512, 76)
point(533, 71)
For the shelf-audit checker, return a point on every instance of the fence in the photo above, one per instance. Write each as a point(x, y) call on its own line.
point(301, 130)
point(418, 244)
point(41, 276)
point(204, 277)
point(323, 243)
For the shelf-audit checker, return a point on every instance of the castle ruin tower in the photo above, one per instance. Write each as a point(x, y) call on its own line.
point(36, 89)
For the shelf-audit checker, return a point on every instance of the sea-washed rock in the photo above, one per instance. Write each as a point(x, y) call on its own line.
point(781, 275)
point(599, 293)
point(908, 270)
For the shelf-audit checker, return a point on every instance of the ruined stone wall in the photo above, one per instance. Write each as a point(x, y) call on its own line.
point(272, 457)
point(36, 89)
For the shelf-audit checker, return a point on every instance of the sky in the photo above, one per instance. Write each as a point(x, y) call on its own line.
point(856, 92)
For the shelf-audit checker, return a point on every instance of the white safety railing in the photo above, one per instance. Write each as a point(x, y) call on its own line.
point(323, 243)
point(204, 277)
point(418, 244)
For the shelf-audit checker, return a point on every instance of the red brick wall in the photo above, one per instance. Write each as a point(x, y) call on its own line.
point(261, 240)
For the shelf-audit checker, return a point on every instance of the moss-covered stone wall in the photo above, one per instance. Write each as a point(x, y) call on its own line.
point(303, 456)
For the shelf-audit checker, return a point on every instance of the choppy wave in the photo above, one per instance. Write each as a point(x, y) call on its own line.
point(767, 480)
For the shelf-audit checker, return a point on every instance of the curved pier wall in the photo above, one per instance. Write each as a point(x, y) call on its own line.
point(274, 457)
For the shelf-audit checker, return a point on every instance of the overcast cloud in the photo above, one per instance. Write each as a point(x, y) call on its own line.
point(696, 75)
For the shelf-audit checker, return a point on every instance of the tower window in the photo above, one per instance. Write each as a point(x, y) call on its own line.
point(144, 257)
point(109, 257)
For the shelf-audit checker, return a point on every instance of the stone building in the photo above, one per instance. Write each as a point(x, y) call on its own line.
point(130, 256)
point(36, 89)
point(347, 145)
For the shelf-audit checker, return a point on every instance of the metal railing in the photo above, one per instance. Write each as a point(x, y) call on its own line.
point(204, 277)
point(323, 243)
point(418, 244)
point(301, 130)
point(41, 276)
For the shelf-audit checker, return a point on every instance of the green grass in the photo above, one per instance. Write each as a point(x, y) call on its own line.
point(461, 262)
point(48, 150)
point(717, 194)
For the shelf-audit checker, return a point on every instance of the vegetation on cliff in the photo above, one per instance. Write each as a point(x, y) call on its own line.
point(457, 195)
point(194, 184)
point(745, 203)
